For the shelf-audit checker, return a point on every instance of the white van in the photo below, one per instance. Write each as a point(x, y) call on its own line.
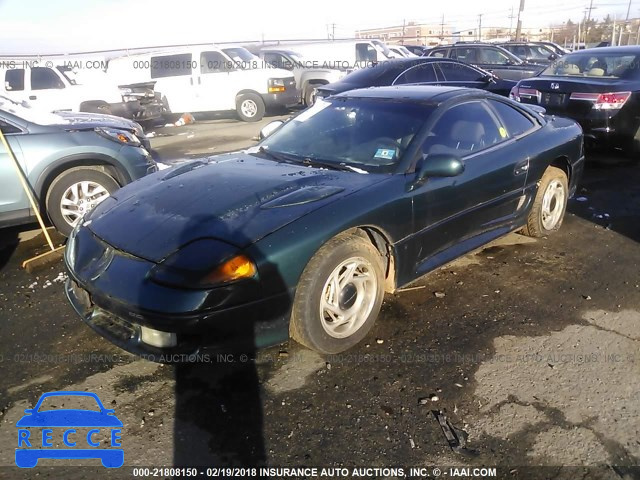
point(205, 79)
point(51, 86)
point(344, 54)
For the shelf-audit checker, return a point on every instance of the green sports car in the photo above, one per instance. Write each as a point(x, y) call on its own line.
point(302, 235)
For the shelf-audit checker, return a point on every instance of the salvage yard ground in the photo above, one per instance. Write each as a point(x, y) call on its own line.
point(530, 347)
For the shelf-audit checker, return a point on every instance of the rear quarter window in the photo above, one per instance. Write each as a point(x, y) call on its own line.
point(515, 122)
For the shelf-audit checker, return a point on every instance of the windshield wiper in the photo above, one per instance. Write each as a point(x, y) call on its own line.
point(278, 157)
point(312, 162)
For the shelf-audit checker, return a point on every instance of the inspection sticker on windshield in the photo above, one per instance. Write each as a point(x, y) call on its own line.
point(385, 153)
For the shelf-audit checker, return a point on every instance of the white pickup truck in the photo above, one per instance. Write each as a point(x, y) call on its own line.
point(309, 74)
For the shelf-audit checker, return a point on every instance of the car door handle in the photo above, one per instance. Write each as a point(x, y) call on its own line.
point(521, 167)
point(32, 97)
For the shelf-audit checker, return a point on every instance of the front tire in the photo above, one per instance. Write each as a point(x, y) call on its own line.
point(550, 204)
point(339, 295)
point(250, 107)
point(75, 192)
point(310, 94)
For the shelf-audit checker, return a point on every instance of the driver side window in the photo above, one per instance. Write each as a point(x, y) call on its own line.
point(463, 130)
point(491, 56)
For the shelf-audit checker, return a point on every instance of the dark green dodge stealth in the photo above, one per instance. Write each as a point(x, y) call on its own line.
point(301, 235)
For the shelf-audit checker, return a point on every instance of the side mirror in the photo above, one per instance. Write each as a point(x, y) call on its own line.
point(489, 78)
point(553, 56)
point(438, 165)
point(269, 128)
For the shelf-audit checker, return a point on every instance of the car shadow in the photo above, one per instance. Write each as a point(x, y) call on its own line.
point(218, 406)
point(9, 241)
point(608, 194)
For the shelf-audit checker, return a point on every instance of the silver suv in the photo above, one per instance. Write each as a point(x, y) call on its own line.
point(73, 161)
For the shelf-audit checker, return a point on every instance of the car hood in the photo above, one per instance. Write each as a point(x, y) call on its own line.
point(69, 418)
point(237, 198)
point(88, 121)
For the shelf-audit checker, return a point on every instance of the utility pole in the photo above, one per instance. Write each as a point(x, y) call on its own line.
point(519, 24)
point(442, 29)
point(480, 27)
point(511, 17)
point(404, 24)
point(333, 31)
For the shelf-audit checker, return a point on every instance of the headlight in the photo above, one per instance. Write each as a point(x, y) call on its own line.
point(120, 136)
point(130, 98)
point(276, 85)
point(204, 263)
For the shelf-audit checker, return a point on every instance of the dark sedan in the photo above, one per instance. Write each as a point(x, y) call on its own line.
point(489, 57)
point(600, 88)
point(422, 71)
point(301, 235)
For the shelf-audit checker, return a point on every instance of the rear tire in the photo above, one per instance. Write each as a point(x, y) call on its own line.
point(339, 295)
point(250, 107)
point(550, 204)
point(75, 192)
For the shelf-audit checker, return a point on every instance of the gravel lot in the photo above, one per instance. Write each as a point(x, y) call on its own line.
point(529, 347)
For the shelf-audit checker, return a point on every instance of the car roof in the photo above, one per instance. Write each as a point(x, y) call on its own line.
point(412, 93)
point(618, 49)
point(278, 50)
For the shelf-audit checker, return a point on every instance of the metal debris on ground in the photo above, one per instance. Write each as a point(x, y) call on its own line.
point(456, 438)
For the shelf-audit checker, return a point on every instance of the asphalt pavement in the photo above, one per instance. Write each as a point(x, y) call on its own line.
point(528, 347)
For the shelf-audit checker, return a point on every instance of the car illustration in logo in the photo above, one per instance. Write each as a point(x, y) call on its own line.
point(36, 434)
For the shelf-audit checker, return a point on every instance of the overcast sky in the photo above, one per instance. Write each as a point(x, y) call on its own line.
point(62, 26)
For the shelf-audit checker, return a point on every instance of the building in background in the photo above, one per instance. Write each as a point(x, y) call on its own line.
point(411, 33)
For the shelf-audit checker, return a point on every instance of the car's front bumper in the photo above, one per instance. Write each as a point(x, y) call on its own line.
point(290, 97)
point(138, 111)
point(247, 326)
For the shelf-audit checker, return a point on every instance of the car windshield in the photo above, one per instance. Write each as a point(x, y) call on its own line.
point(363, 134)
point(595, 64)
point(26, 112)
